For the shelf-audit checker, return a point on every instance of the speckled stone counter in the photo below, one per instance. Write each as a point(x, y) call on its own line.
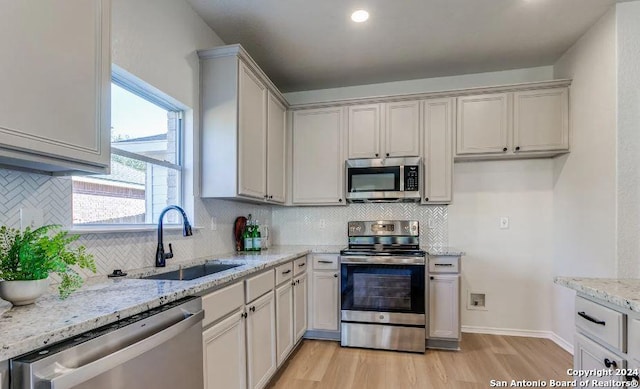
point(445, 251)
point(624, 293)
point(102, 301)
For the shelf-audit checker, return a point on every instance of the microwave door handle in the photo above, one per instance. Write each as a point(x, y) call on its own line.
point(401, 178)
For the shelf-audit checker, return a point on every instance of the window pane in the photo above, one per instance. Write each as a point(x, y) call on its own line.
point(136, 191)
point(142, 127)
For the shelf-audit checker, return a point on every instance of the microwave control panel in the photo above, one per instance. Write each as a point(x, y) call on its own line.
point(411, 179)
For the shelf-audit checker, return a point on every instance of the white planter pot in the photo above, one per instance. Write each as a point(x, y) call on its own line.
point(23, 292)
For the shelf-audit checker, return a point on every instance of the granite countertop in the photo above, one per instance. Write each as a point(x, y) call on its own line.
point(102, 300)
point(445, 251)
point(623, 292)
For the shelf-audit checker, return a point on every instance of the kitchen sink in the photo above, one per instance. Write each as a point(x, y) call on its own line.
point(193, 272)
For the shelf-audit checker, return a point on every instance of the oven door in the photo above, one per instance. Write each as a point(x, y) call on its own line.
point(383, 292)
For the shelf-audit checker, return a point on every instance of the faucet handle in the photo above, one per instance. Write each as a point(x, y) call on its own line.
point(170, 253)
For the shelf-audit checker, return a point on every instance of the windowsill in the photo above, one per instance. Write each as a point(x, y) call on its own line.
point(107, 229)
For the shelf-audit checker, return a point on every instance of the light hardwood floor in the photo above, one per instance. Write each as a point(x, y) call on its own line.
point(324, 364)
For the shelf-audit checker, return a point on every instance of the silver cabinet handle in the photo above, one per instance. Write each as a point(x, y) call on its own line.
point(75, 376)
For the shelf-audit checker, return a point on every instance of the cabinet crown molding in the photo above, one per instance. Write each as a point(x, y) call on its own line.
point(560, 83)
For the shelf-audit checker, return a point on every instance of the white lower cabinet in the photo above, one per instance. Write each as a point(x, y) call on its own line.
point(589, 355)
point(300, 292)
point(261, 341)
point(444, 303)
point(324, 299)
point(284, 321)
point(225, 364)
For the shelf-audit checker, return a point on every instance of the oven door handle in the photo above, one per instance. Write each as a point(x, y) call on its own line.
point(381, 260)
point(67, 377)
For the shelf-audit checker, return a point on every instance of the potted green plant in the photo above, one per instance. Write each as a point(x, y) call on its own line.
point(28, 257)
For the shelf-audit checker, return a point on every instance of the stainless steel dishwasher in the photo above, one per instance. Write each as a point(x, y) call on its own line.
point(160, 348)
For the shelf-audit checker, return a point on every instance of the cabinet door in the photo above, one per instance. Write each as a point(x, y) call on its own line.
point(55, 83)
point(483, 124)
point(224, 354)
point(284, 321)
point(541, 120)
point(276, 128)
point(588, 355)
point(402, 129)
point(438, 150)
point(325, 300)
point(252, 134)
point(300, 306)
point(444, 306)
point(261, 341)
point(364, 131)
point(318, 157)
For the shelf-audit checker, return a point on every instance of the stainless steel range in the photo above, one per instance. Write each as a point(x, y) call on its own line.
point(383, 286)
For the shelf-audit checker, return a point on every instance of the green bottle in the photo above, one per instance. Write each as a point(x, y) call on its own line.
point(257, 237)
point(247, 237)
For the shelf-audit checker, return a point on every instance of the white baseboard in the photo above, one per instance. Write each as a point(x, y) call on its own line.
point(567, 346)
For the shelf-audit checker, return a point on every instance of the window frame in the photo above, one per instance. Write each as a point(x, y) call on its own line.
point(131, 83)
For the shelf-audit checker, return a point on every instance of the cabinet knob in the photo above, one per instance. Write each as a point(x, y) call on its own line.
point(243, 315)
point(339, 200)
point(293, 284)
point(505, 149)
point(387, 154)
point(270, 197)
point(377, 154)
point(431, 278)
point(426, 199)
point(610, 363)
point(253, 309)
point(297, 281)
point(335, 276)
point(517, 148)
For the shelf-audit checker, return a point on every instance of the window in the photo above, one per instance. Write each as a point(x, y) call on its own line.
point(146, 134)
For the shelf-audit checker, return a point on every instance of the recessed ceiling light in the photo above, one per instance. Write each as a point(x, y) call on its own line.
point(360, 16)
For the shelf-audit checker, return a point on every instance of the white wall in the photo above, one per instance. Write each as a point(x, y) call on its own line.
point(628, 47)
point(512, 266)
point(584, 214)
point(424, 85)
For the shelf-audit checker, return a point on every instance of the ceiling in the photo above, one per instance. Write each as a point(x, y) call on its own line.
point(305, 45)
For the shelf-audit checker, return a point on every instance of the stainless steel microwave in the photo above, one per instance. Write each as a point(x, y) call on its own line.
point(383, 180)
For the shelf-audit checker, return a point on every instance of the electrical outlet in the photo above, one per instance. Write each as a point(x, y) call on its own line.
point(31, 217)
point(504, 223)
point(322, 224)
point(214, 224)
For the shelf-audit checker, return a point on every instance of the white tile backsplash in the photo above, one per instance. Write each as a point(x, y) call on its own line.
point(328, 225)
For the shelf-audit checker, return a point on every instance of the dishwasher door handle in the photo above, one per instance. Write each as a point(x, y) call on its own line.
point(71, 377)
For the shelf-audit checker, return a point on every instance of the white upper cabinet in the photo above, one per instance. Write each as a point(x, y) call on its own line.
point(483, 124)
point(532, 122)
point(243, 128)
point(55, 85)
point(541, 120)
point(438, 150)
point(384, 130)
point(276, 131)
point(402, 129)
point(364, 131)
point(252, 122)
point(318, 157)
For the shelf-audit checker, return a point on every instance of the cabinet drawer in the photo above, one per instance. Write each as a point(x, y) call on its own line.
point(589, 355)
point(444, 264)
point(299, 265)
point(221, 302)
point(284, 272)
point(325, 262)
point(601, 323)
point(258, 286)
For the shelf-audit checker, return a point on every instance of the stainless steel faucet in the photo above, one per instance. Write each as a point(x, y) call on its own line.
point(161, 256)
